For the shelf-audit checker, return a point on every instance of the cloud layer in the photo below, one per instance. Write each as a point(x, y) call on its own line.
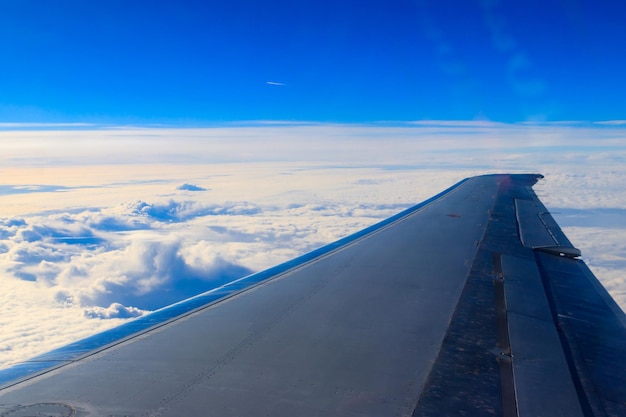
point(100, 233)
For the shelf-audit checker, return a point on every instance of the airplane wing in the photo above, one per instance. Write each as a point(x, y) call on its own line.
point(471, 303)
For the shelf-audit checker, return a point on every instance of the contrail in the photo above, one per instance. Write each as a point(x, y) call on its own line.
point(274, 83)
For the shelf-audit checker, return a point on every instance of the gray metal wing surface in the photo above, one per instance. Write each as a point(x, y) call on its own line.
point(471, 303)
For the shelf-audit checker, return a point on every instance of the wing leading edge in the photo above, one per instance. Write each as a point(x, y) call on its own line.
point(473, 302)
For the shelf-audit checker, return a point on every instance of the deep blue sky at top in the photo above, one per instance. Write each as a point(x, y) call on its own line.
point(209, 61)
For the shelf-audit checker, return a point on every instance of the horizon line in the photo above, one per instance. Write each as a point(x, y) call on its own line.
point(43, 126)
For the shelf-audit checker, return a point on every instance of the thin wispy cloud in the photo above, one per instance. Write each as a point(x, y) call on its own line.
point(274, 83)
point(612, 122)
point(190, 187)
point(26, 125)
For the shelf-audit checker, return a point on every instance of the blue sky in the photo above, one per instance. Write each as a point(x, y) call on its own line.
point(197, 62)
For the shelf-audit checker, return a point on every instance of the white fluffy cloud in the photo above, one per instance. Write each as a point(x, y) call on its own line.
point(91, 236)
point(115, 310)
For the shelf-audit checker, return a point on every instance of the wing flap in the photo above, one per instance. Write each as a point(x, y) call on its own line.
point(541, 375)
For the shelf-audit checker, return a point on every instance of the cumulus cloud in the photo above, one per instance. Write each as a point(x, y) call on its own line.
point(70, 233)
point(145, 274)
point(174, 211)
point(115, 310)
point(9, 227)
point(84, 257)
